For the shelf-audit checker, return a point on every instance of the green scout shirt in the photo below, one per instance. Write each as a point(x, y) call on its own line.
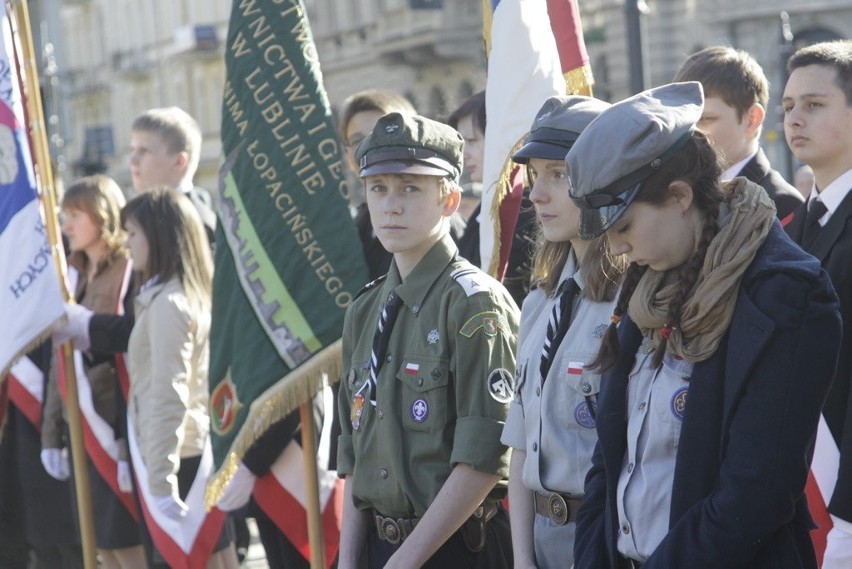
point(444, 388)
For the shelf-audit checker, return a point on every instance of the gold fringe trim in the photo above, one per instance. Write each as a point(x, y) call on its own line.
point(502, 189)
point(579, 81)
point(281, 399)
point(38, 340)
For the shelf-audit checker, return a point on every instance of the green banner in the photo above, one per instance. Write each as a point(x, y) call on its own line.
point(288, 258)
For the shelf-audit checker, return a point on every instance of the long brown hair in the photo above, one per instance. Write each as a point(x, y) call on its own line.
point(177, 243)
point(696, 164)
point(601, 271)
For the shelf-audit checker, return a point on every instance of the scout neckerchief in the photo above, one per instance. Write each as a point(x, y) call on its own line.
point(557, 326)
point(381, 338)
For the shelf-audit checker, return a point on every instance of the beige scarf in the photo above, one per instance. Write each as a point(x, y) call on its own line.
point(745, 221)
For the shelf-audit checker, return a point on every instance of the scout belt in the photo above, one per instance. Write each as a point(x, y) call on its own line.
point(394, 530)
point(560, 508)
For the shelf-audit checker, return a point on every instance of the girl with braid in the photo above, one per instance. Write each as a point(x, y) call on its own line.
point(721, 349)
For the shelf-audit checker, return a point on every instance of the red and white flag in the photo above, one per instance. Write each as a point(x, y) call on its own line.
point(26, 390)
point(188, 542)
point(820, 485)
point(98, 435)
point(282, 495)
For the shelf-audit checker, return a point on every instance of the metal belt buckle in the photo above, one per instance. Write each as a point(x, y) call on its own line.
point(558, 509)
point(391, 531)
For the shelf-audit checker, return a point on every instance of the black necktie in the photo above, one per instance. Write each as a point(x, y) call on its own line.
point(557, 326)
point(816, 209)
point(380, 340)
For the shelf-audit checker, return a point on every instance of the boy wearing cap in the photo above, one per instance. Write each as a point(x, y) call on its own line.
point(428, 356)
point(736, 95)
point(720, 352)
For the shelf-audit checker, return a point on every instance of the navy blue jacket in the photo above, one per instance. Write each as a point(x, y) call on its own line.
point(748, 429)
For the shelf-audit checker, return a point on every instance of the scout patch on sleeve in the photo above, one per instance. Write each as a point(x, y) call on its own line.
point(471, 280)
point(489, 321)
point(501, 385)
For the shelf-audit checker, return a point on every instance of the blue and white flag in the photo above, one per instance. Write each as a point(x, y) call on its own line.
point(30, 297)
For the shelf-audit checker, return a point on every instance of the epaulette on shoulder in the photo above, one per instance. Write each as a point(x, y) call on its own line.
point(471, 279)
point(369, 286)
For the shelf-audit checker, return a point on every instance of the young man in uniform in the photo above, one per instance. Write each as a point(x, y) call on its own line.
point(736, 94)
point(818, 125)
point(428, 355)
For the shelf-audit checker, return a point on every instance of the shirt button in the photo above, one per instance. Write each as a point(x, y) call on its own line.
point(436, 373)
point(629, 468)
point(535, 447)
point(383, 474)
point(379, 414)
point(415, 309)
point(538, 390)
point(420, 381)
point(587, 388)
point(642, 406)
point(625, 528)
point(389, 358)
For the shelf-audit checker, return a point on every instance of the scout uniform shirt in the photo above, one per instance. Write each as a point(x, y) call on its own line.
point(443, 389)
point(551, 419)
point(656, 403)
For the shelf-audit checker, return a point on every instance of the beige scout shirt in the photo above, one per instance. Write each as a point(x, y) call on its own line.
point(443, 390)
point(656, 403)
point(551, 420)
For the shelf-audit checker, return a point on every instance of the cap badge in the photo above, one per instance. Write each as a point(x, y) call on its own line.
point(391, 128)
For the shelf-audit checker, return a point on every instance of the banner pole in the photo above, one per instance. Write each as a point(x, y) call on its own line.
point(44, 180)
point(309, 446)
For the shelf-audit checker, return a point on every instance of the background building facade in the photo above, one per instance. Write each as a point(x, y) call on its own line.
point(107, 60)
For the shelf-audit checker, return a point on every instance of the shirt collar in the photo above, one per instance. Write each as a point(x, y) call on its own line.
point(418, 282)
point(572, 269)
point(832, 195)
point(734, 170)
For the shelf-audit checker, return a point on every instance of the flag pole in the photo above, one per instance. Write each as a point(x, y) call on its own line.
point(309, 446)
point(44, 180)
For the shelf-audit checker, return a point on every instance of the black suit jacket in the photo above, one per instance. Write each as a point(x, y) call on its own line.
point(204, 206)
point(833, 247)
point(786, 197)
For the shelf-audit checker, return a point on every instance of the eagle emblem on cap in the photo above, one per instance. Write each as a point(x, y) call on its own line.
point(391, 128)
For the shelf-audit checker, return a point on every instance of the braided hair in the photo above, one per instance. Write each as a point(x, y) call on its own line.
point(696, 164)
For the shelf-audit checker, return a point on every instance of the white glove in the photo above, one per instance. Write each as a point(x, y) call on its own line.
point(238, 491)
point(172, 506)
point(55, 462)
point(838, 550)
point(76, 329)
point(123, 476)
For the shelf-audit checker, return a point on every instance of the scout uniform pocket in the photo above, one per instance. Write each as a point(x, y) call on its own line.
point(423, 393)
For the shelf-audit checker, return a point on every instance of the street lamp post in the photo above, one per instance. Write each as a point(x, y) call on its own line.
point(634, 10)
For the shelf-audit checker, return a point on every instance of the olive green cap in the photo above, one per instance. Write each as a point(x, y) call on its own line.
point(411, 144)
